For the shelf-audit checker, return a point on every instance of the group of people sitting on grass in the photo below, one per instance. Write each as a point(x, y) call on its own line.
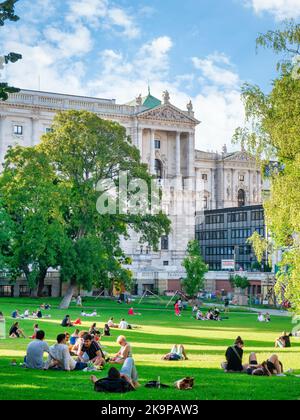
point(212, 315)
point(264, 317)
point(38, 314)
point(85, 354)
point(234, 362)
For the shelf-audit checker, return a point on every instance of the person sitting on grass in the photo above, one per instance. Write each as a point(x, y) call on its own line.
point(1, 316)
point(15, 314)
point(132, 313)
point(91, 352)
point(200, 316)
point(106, 330)
point(74, 337)
point(64, 361)
point(111, 323)
point(35, 352)
point(268, 317)
point(124, 352)
point(284, 341)
point(93, 329)
point(79, 343)
point(261, 317)
point(177, 353)
point(35, 330)
point(66, 322)
point(116, 382)
point(16, 332)
point(234, 358)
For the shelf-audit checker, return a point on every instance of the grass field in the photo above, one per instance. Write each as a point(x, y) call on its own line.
point(158, 330)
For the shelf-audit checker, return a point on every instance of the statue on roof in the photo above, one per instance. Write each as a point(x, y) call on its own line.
point(224, 150)
point(139, 100)
point(190, 108)
point(166, 97)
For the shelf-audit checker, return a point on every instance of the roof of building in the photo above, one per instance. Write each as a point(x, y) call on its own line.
point(148, 101)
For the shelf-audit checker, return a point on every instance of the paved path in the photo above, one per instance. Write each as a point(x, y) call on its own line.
point(272, 312)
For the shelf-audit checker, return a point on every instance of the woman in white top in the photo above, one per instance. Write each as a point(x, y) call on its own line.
point(124, 353)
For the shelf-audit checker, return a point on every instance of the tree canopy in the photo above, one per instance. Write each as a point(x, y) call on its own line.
point(7, 12)
point(273, 134)
point(195, 269)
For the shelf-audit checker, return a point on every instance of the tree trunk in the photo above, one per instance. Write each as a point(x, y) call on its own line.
point(65, 303)
point(41, 281)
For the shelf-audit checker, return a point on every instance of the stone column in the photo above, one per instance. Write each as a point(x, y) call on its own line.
point(152, 152)
point(178, 154)
point(140, 140)
point(35, 133)
point(191, 155)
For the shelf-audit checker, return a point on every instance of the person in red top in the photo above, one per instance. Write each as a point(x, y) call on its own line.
point(131, 311)
point(177, 309)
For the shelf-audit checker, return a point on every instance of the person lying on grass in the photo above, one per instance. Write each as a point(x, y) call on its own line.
point(177, 353)
point(284, 341)
point(132, 313)
point(118, 382)
point(124, 325)
point(271, 367)
point(234, 358)
point(91, 351)
point(124, 352)
point(63, 360)
point(16, 332)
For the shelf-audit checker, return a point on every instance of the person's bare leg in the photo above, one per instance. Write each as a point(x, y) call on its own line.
point(275, 360)
point(94, 379)
point(182, 350)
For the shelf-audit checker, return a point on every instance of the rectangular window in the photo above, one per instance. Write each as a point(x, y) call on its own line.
point(18, 130)
point(157, 144)
point(166, 263)
point(242, 178)
point(165, 243)
point(49, 130)
point(6, 291)
point(204, 177)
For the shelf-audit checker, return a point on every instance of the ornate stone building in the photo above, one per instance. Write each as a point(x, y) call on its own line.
point(165, 136)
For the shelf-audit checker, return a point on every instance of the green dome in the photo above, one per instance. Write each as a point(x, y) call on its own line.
point(148, 101)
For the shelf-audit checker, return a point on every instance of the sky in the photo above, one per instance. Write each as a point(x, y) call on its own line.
point(199, 50)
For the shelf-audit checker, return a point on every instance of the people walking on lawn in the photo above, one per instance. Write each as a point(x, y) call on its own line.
point(35, 352)
point(91, 351)
point(177, 308)
point(79, 301)
point(177, 353)
point(16, 332)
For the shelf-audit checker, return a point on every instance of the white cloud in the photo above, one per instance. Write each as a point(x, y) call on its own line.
point(212, 71)
point(59, 57)
point(280, 9)
point(101, 13)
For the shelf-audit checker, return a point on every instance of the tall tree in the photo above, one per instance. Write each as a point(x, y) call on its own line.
point(7, 12)
point(273, 133)
point(195, 269)
point(84, 149)
point(32, 212)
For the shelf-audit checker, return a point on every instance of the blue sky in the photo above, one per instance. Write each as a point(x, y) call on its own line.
point(202, 50)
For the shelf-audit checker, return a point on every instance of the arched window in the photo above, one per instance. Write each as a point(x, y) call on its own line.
point(158, 169)
point(241, 198)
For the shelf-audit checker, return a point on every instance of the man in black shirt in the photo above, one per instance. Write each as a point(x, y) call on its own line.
point(93, 351)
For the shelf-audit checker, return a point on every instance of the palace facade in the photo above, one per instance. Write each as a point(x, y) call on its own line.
point(165, 136)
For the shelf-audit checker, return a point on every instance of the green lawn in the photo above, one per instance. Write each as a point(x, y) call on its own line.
point(158, 330)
